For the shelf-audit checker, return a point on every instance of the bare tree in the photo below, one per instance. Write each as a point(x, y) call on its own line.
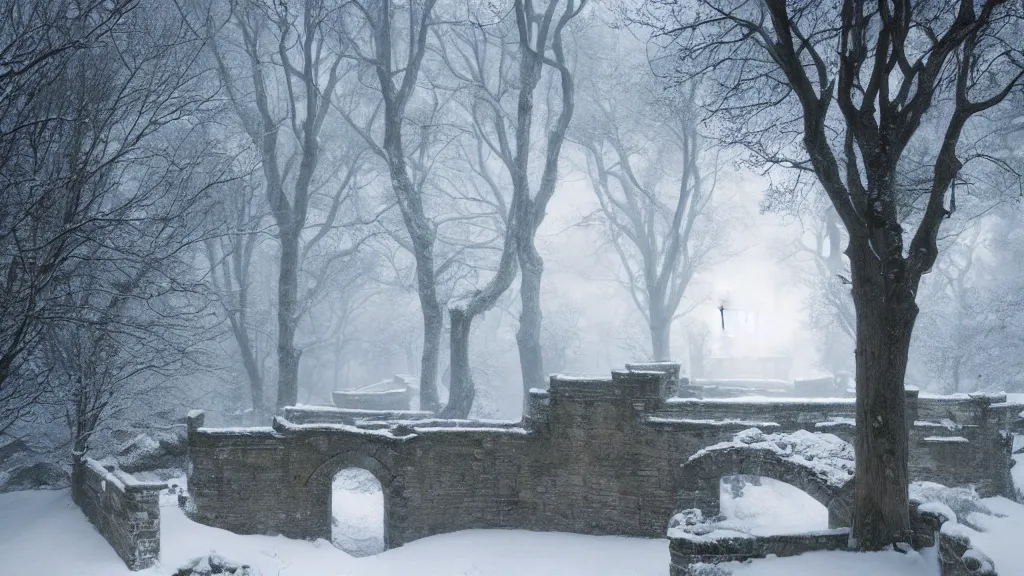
point(297, 49)
point(541, 34)
point(104, 215)
point(390, 37)
point(482, 56)
point(38, 43)
point(230, 257)
point(865, 79)
point(479, 59)
point(73, 129)
point(645, 163)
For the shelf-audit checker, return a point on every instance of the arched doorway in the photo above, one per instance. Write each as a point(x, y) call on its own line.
point(765, 506)
point(819, 466)
point(357, 512)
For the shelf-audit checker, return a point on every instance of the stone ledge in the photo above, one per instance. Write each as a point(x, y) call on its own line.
point(125, 511)
point(688, 553)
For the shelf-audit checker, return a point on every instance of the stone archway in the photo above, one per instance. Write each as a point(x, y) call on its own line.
point(357, 513)
point(321, 480)
point(796, 459)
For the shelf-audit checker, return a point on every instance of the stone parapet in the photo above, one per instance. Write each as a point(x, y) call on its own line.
point(124, 511)
point(690, 555)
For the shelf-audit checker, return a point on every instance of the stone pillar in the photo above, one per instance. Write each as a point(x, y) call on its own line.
point(537, 405)
point(644, 389)
point(670, 385)
point(194, 421)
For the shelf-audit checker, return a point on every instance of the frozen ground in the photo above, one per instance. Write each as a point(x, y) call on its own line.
point(43, 534)
point(772, 507)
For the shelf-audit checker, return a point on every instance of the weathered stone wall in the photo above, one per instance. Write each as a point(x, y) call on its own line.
point(398, 399)
point(697, 548)
point(592, 456)
point(328, 415)
point(690, 556)
point(954, 441)
point(701, 476)
point(124, 511)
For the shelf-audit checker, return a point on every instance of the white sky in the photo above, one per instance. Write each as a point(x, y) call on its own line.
point(766, 296)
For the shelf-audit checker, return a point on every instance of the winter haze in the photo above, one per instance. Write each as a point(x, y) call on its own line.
point(379, 286)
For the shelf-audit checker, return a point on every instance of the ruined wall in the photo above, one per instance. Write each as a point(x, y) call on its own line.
point(691, 556)
point(124, 511)
point(329, 415)
point(433, 482)
point(398, 399)
point(592, 456)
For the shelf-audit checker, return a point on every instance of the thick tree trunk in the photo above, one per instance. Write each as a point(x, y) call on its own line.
point(287, 308)
point(886, 312)
point(433, 325)
point(462, 391)
point(661, 338)
point(426, 284)
point(422, 234)
point(531, 360)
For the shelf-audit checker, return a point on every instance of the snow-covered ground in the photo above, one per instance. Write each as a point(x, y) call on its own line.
point(357, 513)
point(43, 534)
point(772, 507)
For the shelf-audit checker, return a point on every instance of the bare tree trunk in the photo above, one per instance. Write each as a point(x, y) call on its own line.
point(462, 391)
point(433, 325)
point(396, 88)
point(252, 368)
point(661, 337)
point(287, 309)
point(531, 360)
point(885, 319)
point(422, 234)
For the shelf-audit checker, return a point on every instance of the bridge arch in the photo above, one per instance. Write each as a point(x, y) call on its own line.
point(700, 477)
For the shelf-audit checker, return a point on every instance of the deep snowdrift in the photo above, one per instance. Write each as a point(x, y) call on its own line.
point(43, 534)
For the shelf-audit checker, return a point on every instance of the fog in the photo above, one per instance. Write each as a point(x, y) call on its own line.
point(240, 206)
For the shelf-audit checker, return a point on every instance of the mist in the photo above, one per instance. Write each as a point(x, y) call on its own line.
point(240, 206)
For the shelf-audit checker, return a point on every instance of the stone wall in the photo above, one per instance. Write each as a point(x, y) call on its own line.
point(700, 479)
point(328, 415)
point(689, 556)
point(124, 511)
point(955, 441)
point(592, 456)
point(398, 399)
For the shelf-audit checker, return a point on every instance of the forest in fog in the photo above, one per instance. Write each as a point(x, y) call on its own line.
point(240, 205)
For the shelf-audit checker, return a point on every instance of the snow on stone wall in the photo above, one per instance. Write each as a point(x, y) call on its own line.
point(124, 511)
point(592, 456)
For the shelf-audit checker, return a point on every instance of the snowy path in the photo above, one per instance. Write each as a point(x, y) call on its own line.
point(44, 534)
